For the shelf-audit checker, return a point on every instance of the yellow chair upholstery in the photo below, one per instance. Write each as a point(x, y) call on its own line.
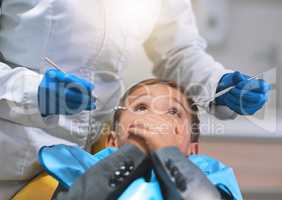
point(41, 187)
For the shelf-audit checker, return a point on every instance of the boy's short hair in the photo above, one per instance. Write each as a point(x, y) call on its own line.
point(195, 122)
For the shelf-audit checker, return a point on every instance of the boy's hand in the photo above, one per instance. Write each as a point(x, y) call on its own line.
point(155, 132)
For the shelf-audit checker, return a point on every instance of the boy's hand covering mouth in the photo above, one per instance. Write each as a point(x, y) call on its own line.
point(154, 132)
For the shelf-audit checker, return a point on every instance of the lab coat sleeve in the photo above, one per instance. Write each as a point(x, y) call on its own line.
point(178, 53)
point(18, 96)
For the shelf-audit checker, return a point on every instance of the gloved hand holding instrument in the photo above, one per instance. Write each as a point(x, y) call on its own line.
point(243, 94)
point(62, 93)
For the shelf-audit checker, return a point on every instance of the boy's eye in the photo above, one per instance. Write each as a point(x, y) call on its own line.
point(140, 107)
point(174, 111)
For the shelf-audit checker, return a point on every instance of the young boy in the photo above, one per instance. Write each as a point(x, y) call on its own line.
point(155, 127)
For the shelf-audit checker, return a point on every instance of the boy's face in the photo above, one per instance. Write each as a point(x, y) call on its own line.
point(161, 109)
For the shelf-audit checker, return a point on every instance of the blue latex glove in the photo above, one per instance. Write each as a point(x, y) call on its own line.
point(61, 93)
point(247, 97)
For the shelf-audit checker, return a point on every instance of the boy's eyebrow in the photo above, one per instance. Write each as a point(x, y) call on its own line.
point(179, 102)
point(137, 97)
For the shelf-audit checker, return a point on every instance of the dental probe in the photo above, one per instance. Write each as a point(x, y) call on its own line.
point(222, 92)
point(52, 63)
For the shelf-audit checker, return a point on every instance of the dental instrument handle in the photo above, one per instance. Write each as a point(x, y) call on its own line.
point(48, 60)
point(52, 63)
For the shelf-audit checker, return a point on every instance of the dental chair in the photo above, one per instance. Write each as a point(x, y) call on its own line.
point(44, 186)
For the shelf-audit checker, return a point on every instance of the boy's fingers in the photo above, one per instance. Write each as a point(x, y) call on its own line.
point(142, 132)
point(138, 124)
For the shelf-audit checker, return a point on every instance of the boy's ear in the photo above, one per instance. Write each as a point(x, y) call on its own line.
point(112, 140)
point(193, 148)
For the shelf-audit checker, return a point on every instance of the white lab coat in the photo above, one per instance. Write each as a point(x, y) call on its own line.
point(90, 39)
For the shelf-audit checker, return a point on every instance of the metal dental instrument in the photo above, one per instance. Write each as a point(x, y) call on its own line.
point(52, 63)
point(49, 61)
point(222, 92)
